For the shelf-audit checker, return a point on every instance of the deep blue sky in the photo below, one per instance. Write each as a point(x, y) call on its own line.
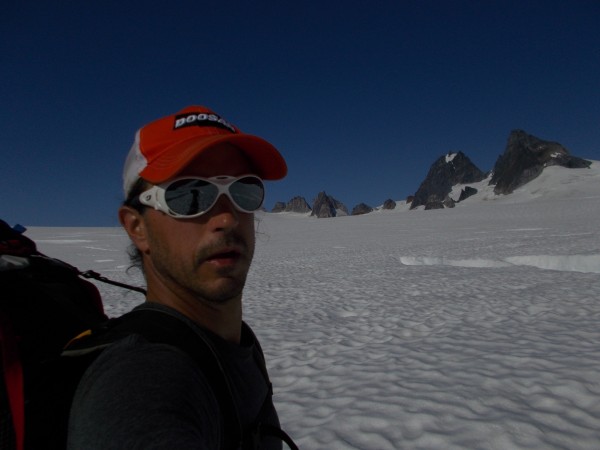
point(360, 96)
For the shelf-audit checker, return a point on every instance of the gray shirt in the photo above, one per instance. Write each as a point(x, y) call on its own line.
point(143, 395)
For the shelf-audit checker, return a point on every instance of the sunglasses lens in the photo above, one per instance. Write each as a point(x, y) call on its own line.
point(190, 196)
point(248, 193)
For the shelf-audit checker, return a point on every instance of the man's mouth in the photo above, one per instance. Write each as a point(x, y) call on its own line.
point(225, 257)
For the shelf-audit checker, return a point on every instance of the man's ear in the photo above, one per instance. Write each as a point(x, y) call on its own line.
point(135, 225)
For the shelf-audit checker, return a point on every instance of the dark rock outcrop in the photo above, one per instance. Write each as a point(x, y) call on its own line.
point(467, 192)
point(524, 159)
point(327, 206)
point(297, 205)
point(389, 204)
point(361, 208)
point(279, 207)
point(446, 172)
point(449, 202)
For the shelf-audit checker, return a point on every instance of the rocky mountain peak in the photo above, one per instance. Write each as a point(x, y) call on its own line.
point(389, 204)
point(524, 159)
point(361, 208)
point(446, 171)
point(327, 206)
point(296, 205)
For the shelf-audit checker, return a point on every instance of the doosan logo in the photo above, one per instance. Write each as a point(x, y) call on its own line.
point(202, 120)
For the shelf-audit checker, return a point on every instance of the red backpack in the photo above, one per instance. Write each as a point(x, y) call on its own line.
point(44, 303)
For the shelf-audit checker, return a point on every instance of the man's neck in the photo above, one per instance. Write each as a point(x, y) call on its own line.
point(224, 320)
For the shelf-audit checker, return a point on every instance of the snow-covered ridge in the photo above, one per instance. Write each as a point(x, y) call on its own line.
point(554, 182)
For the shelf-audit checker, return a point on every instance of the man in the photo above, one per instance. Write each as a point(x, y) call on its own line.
point(192, 182)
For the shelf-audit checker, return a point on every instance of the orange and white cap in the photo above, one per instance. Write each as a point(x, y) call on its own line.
point(163, 148)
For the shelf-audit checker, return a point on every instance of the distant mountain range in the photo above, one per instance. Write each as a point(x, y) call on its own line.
point(523, 160)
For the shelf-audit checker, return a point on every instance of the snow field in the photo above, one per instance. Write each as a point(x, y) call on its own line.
point(470, 328)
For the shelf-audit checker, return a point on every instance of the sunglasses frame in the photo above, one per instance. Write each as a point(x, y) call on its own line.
point(155, 196)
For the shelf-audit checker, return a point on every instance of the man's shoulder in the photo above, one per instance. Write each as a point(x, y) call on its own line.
point(132, 354)
point(140, 388)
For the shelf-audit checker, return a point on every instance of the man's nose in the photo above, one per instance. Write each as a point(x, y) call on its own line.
point(224, 215)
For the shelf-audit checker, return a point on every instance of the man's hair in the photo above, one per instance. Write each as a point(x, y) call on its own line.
point(133, 201)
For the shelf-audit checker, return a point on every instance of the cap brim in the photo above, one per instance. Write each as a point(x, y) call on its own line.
point(265, 158)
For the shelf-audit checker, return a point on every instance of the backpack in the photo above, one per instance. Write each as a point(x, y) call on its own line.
point(44, 303)
point(45, 307)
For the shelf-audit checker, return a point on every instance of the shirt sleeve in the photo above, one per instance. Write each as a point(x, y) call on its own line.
point(142, 395)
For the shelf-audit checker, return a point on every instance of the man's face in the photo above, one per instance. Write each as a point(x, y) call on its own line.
point(208, 257)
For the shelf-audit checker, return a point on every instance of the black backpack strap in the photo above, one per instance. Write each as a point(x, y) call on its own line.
point(265, 430)
point(260, 428)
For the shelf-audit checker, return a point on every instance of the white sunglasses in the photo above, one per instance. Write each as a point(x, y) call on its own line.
point(188, 197)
